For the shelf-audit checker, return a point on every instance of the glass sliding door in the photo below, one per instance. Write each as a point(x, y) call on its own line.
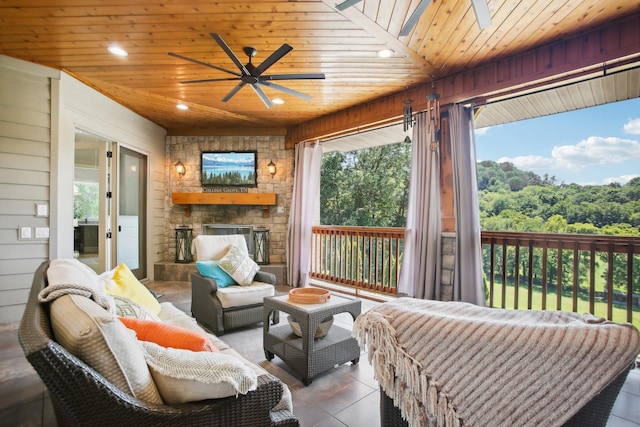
point(91, 206)
point(132, 209)
point(110, 205)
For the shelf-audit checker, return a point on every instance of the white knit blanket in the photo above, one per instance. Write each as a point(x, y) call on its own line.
point(453, 363)
point(70, 276)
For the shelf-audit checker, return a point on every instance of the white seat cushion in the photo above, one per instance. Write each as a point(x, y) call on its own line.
point(237, 296)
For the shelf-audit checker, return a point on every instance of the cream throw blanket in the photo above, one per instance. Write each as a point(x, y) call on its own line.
point(70, 276)
point(453, 363)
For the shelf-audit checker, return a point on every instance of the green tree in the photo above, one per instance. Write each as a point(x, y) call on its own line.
point(368, 187)
point(85, 200)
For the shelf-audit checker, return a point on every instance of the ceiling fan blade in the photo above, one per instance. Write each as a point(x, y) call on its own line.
point(413, 19)
point(233, 91)
point(287, 90)
point(263, 96)
point(319, 76)
point(209, 80)
point(273, 58)
point(230, 53)
point(195, 61)
point(347, 3)
point(483, 16)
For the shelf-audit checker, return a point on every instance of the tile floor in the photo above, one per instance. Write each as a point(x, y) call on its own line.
point(344, 396)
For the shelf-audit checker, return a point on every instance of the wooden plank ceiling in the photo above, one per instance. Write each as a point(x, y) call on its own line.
point(73, 35)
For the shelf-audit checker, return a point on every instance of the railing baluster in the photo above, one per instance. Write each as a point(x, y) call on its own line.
point(630, 284)
point(504, 274)
point(592, 278)
point(545, 261)
point(530, 277)
point(516, 275)
point(609, 281)
point(492, 269)
point(575, 278)
point(559, 278)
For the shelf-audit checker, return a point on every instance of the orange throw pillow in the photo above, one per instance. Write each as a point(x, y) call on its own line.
point(168, 335)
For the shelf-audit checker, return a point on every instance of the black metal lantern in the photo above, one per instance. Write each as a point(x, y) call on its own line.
point(183, 244)
point(261, 245)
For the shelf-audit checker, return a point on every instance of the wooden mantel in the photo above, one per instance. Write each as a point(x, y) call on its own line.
point(187, 199)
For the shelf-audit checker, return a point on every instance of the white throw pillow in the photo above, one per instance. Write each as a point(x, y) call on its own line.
point(239, 265)
point(187, 376)
point(128, 308)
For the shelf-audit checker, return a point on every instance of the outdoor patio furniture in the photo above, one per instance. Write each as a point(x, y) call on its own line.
point(307, 355)
point(223, 308)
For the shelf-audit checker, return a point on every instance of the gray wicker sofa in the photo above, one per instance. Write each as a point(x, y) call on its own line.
point(83, 397)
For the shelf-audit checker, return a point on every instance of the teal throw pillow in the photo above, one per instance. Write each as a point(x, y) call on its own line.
point(212, 270)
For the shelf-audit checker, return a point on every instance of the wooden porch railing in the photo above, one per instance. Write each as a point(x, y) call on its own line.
point(366, 258)
point(522, 270)
point(570, 272)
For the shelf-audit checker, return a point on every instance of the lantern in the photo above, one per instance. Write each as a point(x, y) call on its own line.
point(261, 245)
point(183, 244)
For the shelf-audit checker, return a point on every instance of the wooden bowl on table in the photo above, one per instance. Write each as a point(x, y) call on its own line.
point(309, 295)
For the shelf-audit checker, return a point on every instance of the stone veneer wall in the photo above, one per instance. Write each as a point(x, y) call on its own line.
point(187, 149)
point(447, 265)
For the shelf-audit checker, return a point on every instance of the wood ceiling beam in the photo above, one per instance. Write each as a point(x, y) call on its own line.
point(560, 60)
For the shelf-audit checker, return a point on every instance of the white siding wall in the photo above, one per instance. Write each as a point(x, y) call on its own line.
point(114, 122)
point(39, 111)
point(25, 137)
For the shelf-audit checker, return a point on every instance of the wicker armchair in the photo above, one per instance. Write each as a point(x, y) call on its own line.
point(83, 397)
point(206, 305)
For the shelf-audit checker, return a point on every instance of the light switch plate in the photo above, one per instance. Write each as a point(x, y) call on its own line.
point(42, 210)
point(42, 232)
point(25, 232)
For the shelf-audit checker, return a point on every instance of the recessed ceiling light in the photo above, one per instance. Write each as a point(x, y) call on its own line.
point(385, 53)
point(278, 101)
point(118, 51)
point(182, 107)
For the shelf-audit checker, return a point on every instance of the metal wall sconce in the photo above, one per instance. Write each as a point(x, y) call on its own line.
point(184, 235)
point(261, 245)
point(272, 168)
point(180, 169)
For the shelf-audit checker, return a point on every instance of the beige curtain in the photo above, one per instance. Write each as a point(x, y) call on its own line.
point(468, 285)
point(420, 272)
point(306, 194)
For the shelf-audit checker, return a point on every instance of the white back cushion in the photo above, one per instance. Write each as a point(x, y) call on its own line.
point(211, 247)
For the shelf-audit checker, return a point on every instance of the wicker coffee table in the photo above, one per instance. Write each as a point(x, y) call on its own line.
point(305, 355)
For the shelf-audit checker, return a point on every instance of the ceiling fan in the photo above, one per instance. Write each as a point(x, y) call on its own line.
point(480, 7)
point(250, 74)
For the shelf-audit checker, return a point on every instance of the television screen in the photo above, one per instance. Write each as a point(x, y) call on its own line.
point(229, 168)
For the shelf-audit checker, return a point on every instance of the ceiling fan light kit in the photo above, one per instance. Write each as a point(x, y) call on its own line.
point(251, 75)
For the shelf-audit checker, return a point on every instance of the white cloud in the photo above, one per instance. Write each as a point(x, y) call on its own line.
point(529, 163)
point(592, 151)
point(632, 127)
point(622, 180)
point(482, 131)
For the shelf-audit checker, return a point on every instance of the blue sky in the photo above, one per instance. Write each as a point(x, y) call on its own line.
point(597, 145)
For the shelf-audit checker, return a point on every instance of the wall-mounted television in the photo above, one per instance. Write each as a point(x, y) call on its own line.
point(229, 168)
